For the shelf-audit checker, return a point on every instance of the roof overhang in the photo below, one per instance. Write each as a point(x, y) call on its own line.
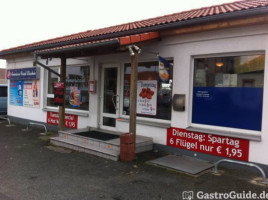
point(97, 47)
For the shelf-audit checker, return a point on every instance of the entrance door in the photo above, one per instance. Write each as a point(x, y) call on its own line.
point(109, 96)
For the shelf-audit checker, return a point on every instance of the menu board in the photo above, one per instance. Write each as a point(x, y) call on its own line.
point(147, 97)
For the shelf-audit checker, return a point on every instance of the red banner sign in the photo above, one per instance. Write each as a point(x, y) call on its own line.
point(58, 93)
point(228, 147)
point(69, 122)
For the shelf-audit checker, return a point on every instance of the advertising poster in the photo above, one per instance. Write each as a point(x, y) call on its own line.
point(75, 97)
point(69, 122)
point(31, 95)
point(16, 93)
point(147, 97)
point(229, 147)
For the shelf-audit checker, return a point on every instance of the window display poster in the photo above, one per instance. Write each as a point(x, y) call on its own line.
point(163, 70)
point(16, 93)
point(75, 97)
point(31, 95)
point(147, 97)
point(58, 93)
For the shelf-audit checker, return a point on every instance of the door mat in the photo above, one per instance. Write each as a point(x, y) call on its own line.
point(184, 164)
point(98, 135)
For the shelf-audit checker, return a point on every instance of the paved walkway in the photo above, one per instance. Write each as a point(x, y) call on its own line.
point(29, 170)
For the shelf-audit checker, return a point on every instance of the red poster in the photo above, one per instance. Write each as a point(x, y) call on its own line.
point(228, 147)
point(70, 120)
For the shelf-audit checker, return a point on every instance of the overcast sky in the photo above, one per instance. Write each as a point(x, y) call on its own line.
point(26, 21)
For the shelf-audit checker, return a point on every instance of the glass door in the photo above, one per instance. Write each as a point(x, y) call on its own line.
point(109, 96)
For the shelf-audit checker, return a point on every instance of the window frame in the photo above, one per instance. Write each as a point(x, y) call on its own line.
point(219, 130)
point(162, 122)
point(56, 108)
point(47, 95)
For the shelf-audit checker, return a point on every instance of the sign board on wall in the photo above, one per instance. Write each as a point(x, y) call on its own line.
point(147, 97)
point(92, 86)
point(23, 74)
point(70, 121)
point(228, 147)
point(25, 93)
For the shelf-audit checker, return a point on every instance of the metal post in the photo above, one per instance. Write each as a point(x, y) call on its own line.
point(263, 181)
point(9, 123)
point(133, 94)
point(63, 80)
point(37, 124)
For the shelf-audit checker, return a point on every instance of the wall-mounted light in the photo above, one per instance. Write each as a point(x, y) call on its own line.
point(137, 49)
point(131, 51)
point(219, 64)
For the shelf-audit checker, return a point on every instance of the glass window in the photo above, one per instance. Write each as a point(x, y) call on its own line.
point(228, 91)
point(77, 78)
point(51, 79)
point(50, 85)
point(149, 72)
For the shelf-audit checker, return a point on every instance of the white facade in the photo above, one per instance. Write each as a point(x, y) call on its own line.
point(182, 49)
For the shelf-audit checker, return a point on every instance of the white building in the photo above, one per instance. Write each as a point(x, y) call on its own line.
point(217, 62)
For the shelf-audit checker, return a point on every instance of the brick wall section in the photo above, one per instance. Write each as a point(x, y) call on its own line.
point(2, 73)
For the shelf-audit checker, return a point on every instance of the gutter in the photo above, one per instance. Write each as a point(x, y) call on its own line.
point(115, 42)
point(188, 22)
point(110, 43)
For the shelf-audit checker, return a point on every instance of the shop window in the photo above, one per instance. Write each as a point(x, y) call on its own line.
point(148, 75)
point(228, 91)
point(77, 78)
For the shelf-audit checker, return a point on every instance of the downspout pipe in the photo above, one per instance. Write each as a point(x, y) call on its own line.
point(178, 24)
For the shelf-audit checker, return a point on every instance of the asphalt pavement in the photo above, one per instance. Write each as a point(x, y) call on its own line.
point(31, 169)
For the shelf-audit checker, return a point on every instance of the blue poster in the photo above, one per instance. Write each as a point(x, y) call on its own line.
point(164, 74)
point(233, 107)
point(16, 93)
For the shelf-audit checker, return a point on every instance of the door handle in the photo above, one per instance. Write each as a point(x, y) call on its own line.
point(114, 103)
